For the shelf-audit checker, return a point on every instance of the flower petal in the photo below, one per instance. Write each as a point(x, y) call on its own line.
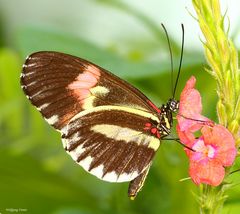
point(210, 172)
point(190, 99)
point(222, 139)
point(186, 138)
point(190, 108)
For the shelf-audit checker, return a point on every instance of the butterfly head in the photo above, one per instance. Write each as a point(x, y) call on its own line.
point(173, 105)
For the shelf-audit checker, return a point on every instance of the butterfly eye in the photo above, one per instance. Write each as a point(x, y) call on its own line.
point(175, 106)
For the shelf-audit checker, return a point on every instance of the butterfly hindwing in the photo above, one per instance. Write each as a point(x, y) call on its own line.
point(107, 143)
point(61, 86)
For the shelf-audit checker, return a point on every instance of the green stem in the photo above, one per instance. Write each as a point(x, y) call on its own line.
point(222, 58)
point(212, 199)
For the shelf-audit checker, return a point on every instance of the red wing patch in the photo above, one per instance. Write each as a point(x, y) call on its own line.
point(152, 129)
point(154, 107)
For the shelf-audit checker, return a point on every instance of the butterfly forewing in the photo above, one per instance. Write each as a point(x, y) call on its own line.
point(61, 86)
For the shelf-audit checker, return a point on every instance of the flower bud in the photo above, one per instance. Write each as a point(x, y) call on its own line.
point(229, 87)
point(221, 111)
point(234, 127)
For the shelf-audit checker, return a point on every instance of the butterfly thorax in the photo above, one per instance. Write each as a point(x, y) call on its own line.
point(165, 117)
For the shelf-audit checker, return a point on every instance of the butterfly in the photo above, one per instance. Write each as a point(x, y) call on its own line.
point(107, 126)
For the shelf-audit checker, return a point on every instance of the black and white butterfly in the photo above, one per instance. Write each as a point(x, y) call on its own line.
point(107, 126)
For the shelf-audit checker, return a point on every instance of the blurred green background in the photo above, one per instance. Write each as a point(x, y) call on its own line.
point(36, 174)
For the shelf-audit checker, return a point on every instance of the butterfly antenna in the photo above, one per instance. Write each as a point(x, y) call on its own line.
point(180, 63)
point(170, 51)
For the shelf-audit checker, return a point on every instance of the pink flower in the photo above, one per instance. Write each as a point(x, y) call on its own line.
point(214, 150)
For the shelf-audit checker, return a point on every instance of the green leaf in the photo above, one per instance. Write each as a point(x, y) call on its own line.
point(10, 92)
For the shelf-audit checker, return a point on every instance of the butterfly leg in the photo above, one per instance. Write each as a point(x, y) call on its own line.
point(178, 141)
point(204, 122)
point(170, 138)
